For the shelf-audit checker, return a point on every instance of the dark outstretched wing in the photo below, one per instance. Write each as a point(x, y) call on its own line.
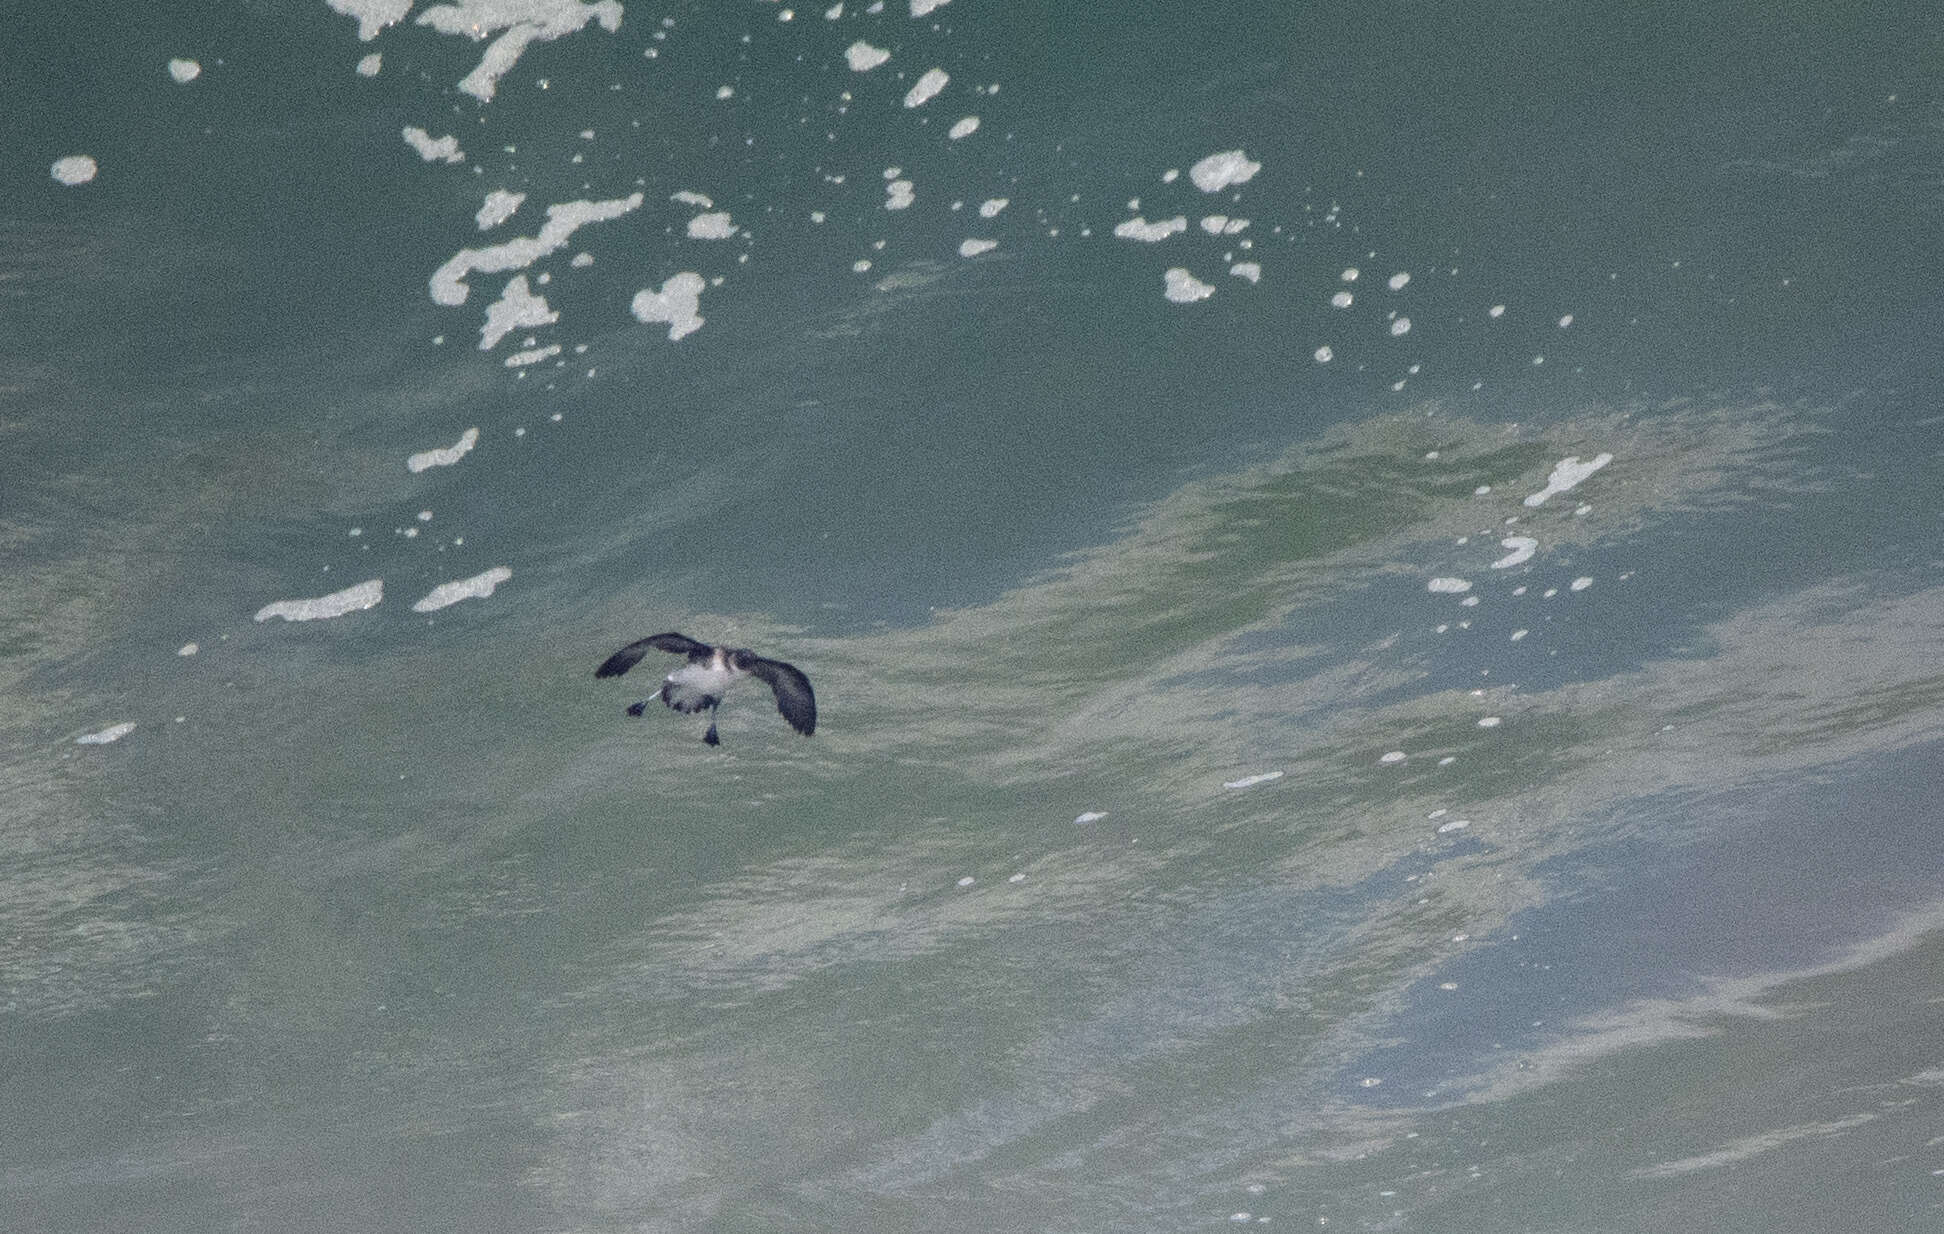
point(626, 658)
point(794, 698)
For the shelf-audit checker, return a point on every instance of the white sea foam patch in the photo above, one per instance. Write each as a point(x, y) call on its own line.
point(1567, 475)
point(499, 207)
point(715, 226)
point(525, 22)
point(862, 57)
point(517, 308)
point(1218, 171)
point(372, 15)
point(972, 248)
point(1250, 270)
point(899, 194)
point(114, 732)
point(964, 127)
point(448, 282)
point(933, 81)
point(677, 303)
point(920, 8)
point(689, 197)
point(445, 456)
point(433, 149)
point(351, 600)
point(1138, 228)
point(74, 169)
point(1091, 816)
point(1448, 586)
point(370, 65)
point(532, 355)
point(184, 71)
point(1523, 547)
point(478, 587)
point(991, 206)
point(1251, 781)
point(1184, 288)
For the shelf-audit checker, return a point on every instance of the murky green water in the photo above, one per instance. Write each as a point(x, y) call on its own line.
point(1269, 770)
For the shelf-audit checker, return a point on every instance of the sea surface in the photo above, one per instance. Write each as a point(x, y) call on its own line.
point(1371, 572)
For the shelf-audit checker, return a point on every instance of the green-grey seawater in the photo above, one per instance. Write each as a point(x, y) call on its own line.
point(1370, 574)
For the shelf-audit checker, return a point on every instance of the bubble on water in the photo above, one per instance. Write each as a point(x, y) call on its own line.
point(73, 170)
point(1184, 288)
point(862, 57)
point(927, 87)
point(1218, 171)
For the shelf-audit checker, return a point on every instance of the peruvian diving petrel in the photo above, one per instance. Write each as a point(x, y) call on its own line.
point(699, 684)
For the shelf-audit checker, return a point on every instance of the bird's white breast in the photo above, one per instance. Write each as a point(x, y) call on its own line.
point(703, 678)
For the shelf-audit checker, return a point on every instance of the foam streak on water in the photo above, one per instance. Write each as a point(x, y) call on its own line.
point(444, 456)
point(448, 282)
point(477, 587)
point(1566, 476)
point(350, 600)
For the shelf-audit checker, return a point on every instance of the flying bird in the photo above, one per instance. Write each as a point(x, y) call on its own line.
point(699, 684)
